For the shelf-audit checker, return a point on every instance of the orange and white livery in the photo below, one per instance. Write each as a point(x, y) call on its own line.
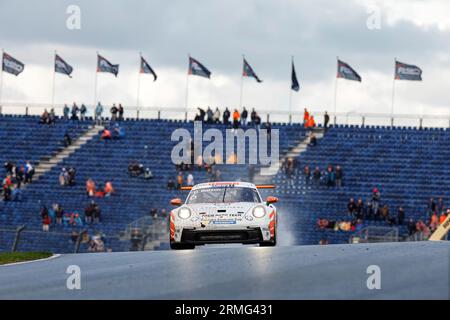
point(223, 212)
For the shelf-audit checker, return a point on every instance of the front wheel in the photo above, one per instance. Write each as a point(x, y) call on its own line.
point(271, 243)
point(181, 246)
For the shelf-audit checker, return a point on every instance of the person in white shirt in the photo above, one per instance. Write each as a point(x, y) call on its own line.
point(190, 180)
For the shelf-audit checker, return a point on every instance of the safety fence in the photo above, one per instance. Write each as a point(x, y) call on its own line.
point(148, 234)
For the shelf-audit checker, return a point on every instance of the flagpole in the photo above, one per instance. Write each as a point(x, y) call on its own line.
point(139, 82)
point(290, 94)
point(187, 91)
point(335, 95)
point(1, 82)
point(95, 83)
point(393, 92)
point(242, 85)
point(54, 80)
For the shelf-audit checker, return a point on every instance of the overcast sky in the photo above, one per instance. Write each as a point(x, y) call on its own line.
point(217, 33)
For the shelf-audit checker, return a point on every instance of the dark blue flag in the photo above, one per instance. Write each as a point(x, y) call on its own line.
point(145, 68)
point(295, 85)
point(347, 72)
point(104, 65)
point(62, 67)
point(11, 65)
point(197, 69)
point(248, 71)
point(405, 71)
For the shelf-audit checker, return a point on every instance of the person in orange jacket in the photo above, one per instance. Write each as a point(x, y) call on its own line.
point(310, 123)
point(236, 119)
point(109, 189)
point(305, 116)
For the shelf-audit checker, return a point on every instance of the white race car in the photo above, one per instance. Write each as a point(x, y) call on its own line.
point(223, 212)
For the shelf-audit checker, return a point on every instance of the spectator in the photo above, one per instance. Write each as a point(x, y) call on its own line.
point(326, 120)
point(59, 213)
point(440, 205)
point(46, 221)
point(411, 226)
point(63, 177)
point(52, 116)
point(67, 140)
point(106, 135)
point(75, 110)
point(311, 123)
point(28, 172)
point(16, 194)
point(400, 216)
point(312, 140)
point(190, 180)
point(90, 187)
point(431, 206)
point(170, 184)
point(317, 175)
point(253, 116)
point(118, 132)
point(236, 119)
point(66, 112)
point(71, 176)
point(98, 113)
point(331, 177)
point(216, 116)
point(226, 116)
point(135, 169)
point(434, 222)
point(109, 189)
point(351, 207)
point(9, 166)
point(305, 117)
point(201, 114)
point(339, 176)
point(209, 116)
point(179, 180)
point(45, 118)
point(148, 174)
point(307, 174)
point(121, 111)
point(376, 197)
point(359, 209)
point(83, 111)
point(89, 212)
point(443, 217)
point(244, 116)
point(114, 112)
point(96, 213)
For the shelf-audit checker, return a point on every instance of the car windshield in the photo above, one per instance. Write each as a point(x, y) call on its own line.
point(223, 195)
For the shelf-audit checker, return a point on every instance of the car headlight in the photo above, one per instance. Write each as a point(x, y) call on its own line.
point(259, 212)
point(184, 213)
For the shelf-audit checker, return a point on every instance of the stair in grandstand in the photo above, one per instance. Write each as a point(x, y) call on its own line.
point(266, 173)
point(48, 163)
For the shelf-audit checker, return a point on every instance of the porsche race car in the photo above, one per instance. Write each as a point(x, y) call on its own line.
point(223, 212)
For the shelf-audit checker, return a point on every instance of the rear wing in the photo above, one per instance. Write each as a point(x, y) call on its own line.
point(262, 186)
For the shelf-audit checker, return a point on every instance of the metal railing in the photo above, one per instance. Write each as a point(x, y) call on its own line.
point(157, 112)
point(145, 233)
point(378, 234)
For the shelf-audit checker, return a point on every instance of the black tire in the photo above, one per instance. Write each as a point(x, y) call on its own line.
point(271, 243)
point(181, 246)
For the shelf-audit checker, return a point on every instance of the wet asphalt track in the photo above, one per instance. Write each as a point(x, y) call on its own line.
point(408, 271)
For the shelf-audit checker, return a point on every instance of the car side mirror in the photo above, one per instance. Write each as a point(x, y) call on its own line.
point(271, 200)
point(176, 202)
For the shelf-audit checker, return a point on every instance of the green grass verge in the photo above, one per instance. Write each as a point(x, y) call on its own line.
point(6, 258)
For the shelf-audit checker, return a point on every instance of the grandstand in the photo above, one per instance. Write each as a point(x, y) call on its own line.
point(390, 158)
